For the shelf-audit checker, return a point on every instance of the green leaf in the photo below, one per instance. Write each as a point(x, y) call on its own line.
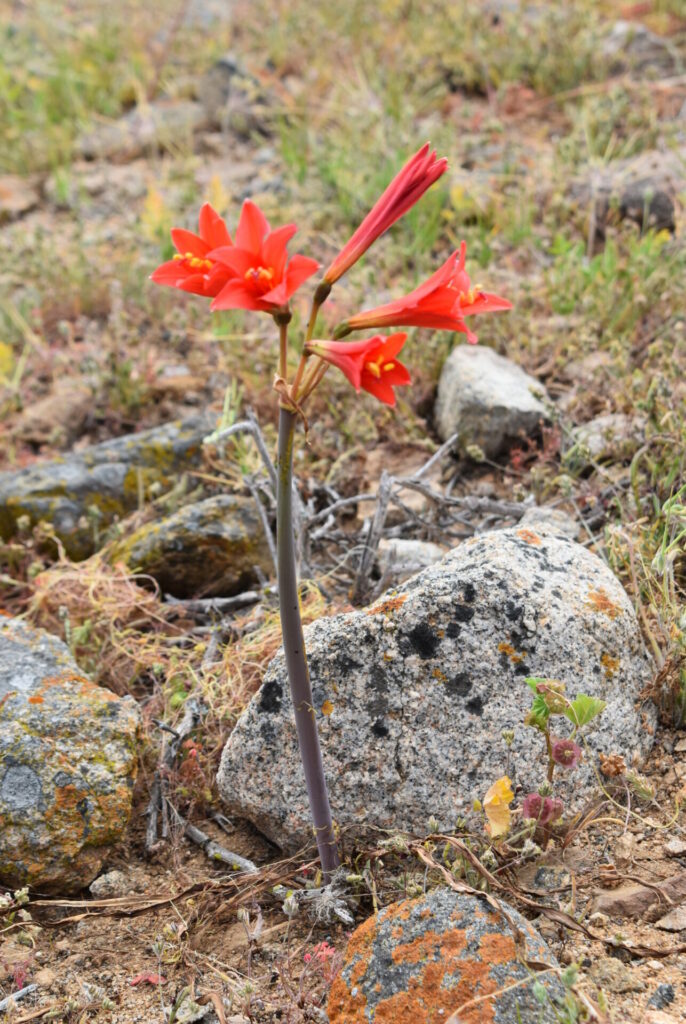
point(584, 709)
point(538, 717)
point(533, 681)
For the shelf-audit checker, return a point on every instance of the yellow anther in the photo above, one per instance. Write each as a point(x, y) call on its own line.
point(388, 366)
point(373, 369)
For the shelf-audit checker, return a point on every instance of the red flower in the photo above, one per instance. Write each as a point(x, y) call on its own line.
point(441, 302)
point(191, 270)
point(542, 809)
point(369, 364)
point(408, 186)
point(566, 753)
point(261, 276)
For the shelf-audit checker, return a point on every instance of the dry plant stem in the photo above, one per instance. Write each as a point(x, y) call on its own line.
point(294, 651)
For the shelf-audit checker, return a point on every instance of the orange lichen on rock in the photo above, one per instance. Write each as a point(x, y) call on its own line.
point(610, 665)
point(529, 536)
point(599, 601)
point(512, 654)
point(391, 604)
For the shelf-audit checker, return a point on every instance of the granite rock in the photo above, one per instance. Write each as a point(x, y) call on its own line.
point(487, 399)
point(401, 557)
point(412, 693)
point(209, 548)
point(613, 436)
point(107, 479)
point(419, 961)
point(67, 764)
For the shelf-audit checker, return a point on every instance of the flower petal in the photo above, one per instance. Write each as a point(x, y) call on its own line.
point(236, 295)
point(274, 252)
point(237, 260)
point(252, 228)
point(212, 227)
point(186, 241)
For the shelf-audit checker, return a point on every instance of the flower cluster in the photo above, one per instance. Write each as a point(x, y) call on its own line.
point(256, 272)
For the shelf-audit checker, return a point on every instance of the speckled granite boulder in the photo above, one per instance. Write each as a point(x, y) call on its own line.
point(109, 477)
point(67, 764)
point(487, 399)
point(209, 548)
point(412, 693)
point(420, 961)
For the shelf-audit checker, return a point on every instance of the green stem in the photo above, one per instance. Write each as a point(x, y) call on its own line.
point(283, 350)
point(296, 657)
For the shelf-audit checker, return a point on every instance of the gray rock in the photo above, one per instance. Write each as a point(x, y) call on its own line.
point(613, 436)
point(107, 479)
point(159, 125)
point(487, 399)
point(631, 46)
point(643, 189)
point(550, 520)
point(412, 693)
point(210, 548)
point(662, 996)
point(233, 99)
point(614, 976)
point(401, 558)
point(67, 764)
point(112, 883)
point(421, 960)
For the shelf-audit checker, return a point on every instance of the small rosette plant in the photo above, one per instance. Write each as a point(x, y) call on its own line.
point(254, 271)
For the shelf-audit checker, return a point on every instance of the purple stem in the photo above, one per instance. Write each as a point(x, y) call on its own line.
point(296, 656)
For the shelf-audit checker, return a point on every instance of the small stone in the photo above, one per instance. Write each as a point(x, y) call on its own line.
point(67, 764)
point(624, 850)
point(675, 847)
point(488, 400)
point(632, 47)
point(662, 996)
point(399, 559)
point(419, 734)
point(550, 520)
point(58, 418)
point(156, 126)
point(636, 900)
point(17, 197)
point(233, 99)
point(421, 960)
point(112, 883)
point(614, 976)
point(614, 436)
point(211, 548)
point(674, 921)
point(680, 746)
point(45, 977)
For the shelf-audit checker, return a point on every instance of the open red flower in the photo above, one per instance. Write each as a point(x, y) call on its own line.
point(260, 274)
point(369, 364)
point(408, 186)
point(191, 270)
point(441, 302)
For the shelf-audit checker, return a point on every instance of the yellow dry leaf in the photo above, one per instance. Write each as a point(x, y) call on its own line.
point(6, 359)
point(496, 807)
point(327, 707)
point(217, 195)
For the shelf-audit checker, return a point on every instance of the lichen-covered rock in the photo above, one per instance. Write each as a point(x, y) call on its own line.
point(400, 557)
point(209, 548)
point(420, 961)
point(67, 764)
point(487, 399)
point(233, 99)
point(412, 694)
point(105, 481)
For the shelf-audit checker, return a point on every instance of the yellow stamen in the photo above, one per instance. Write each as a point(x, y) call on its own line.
point(373, 368)
point(388, 366)
point(260, 275)
point(194, 262)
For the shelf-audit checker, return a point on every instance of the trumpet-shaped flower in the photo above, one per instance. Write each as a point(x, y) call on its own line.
point(261, 275)
point(408, 186)
point(369, 364)
point(191, 269)
point(441, 302)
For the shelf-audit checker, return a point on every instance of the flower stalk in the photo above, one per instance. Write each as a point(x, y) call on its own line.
point(294, 652)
